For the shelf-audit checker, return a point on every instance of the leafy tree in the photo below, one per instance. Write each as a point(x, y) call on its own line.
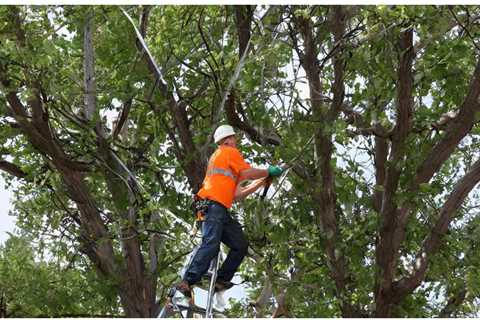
point(38, 288)
point(375, 110)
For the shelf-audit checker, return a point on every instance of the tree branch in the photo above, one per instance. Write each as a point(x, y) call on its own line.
point(432, 243)
point(380, 158)
point(123, 118)
point(12, 169)
point(191, 160)
point(456, 130)
point(144, 20)
point(387, 249)
point(453, 303)
point(324, 181)
point(254, 133)
point(263, 298)
point(464, 28)
point(89, 67)
point(243, 15)
point(338, 22)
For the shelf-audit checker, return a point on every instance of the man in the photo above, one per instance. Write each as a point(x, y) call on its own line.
point(221, 186)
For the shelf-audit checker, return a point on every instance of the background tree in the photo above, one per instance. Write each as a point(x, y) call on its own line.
point(375, 109)
point(56, 288)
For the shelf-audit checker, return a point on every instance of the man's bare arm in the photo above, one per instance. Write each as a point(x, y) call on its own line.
point(242, 192)
point(252, 174)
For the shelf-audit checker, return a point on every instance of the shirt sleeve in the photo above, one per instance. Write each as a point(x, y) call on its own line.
point(237, 163)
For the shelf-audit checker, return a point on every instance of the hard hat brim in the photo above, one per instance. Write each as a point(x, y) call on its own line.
point(224, 137)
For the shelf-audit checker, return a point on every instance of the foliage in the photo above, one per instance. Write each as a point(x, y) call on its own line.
point(336, 99)
point(34, 287)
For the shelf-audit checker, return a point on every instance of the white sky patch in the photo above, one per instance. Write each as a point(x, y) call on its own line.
point(112, 115)
point(7, 222)
point(60, 30)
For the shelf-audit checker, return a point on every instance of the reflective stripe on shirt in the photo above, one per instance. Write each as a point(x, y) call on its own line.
point(224, 172)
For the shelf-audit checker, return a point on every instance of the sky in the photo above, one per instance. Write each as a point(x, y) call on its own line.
point(7, 223)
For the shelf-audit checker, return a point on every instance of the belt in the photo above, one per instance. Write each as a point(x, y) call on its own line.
point(200, 207)
point(211, 202)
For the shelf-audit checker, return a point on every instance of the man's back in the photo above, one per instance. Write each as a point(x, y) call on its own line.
point(223, 170)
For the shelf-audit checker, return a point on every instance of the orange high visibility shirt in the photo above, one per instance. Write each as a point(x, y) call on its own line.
point(223, 170)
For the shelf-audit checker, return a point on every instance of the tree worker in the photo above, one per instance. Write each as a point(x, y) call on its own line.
point(221, 186)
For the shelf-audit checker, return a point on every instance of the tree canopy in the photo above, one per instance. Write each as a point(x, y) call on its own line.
point(375, 109)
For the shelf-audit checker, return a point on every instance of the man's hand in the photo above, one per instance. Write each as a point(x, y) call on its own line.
point(274, 171)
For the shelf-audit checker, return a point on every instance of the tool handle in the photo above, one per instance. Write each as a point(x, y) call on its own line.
point(268, 182)
point(269, 179)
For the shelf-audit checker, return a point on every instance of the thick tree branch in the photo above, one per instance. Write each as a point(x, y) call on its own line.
point(381, 154)
point(144, 20)
point(12, 169)
point(89, 67)
point(456, 130)
point(243, 15)
point(263, 298)
point(387, 249)
point(433, 241)
point(255, 134)
point(282, 309)
point(119, 124)
point(309, 60)
point(324, 180)
point(191, 160)
point(338, 26)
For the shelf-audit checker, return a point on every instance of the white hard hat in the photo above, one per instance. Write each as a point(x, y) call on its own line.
point(222, 132)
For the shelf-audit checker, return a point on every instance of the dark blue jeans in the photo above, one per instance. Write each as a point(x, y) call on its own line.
point(219, 226)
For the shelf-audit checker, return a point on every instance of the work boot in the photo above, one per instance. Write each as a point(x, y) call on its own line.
point(184, 288)
point(222, 285)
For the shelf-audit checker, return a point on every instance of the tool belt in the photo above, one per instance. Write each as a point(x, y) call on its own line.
point(200, 207)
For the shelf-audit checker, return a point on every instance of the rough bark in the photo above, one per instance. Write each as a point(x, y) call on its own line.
point(12, 169)
point(324, 180)
point(263, 300)
point(282, 309)
point(456, 130)
point(233, 106)
point(89, 67)
point(244, 16)
point(130, 280)
point(234, 120)
point(432, 243)
point(388, 244)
